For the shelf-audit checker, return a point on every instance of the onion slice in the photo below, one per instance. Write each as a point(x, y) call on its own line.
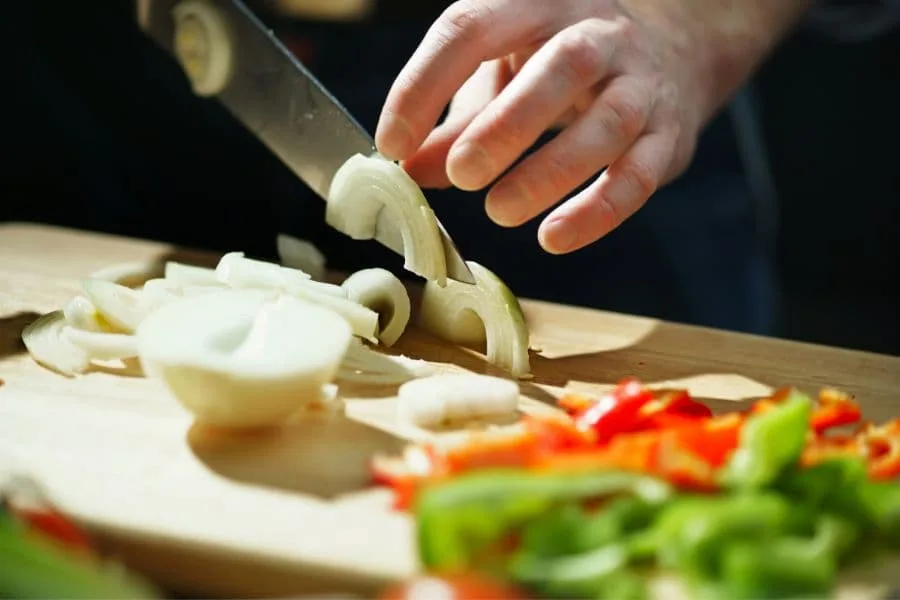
point(300, 254)
point(365, 186)
point(183, 274)
point(102, 346)
point(486, 312)
point(237, 358)
point(122, 307)
point(82, 314)
point(240, 272)
point(381, 291)
point(361, 364)
point(44, 340)
point(439, 399)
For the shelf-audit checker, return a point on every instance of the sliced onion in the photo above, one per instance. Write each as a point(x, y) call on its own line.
point(102, 346)
point(235, 358)
point(452, 313)
point(361, 364)
point(363, 188)
point(82, 314)
point(131, 274)
point(381, 291)
point(238, 271)
point(301, 254)
point(46, 344)
point(362, 320)
point(182, 274)
point(122, 307)
point(245, 273)
point(435, 400)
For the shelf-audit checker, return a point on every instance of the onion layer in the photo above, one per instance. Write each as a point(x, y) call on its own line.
point(240, 359)
point(453, 313)
point(370, 194)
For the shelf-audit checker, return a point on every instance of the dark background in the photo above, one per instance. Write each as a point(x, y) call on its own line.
point(103, 133)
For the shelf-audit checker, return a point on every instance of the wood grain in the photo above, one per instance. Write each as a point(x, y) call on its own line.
point(291, 511)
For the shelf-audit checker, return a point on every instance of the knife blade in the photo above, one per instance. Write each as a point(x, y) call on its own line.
point(266, 88)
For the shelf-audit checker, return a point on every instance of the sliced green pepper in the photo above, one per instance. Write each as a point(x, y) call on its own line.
point(459, 520)
point(786, 567)
point(770, 442)
point(692, 530)
point(602, 573)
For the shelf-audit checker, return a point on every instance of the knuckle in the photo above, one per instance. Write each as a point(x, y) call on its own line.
point(622, 115)
point(579, 54)
point(462, 22)
point(640, 177)
point(504, 133)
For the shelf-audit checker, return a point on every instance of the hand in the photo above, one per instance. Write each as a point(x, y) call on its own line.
point(633, 81)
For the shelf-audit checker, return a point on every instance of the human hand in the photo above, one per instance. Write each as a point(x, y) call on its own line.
point(631, 81)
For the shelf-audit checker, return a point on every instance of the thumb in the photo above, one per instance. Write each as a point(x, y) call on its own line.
point(428, 166)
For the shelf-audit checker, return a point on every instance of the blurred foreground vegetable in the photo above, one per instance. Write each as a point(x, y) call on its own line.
point(44, 555)
point(767, 502)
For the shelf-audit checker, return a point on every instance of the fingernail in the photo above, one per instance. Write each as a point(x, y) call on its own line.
point(393, 137)
point(507, 205)
point(469, 167)
point(557, 237)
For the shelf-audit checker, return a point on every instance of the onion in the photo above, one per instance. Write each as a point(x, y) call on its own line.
point(435, 400)
point(237, 271)
point(79, 312)
point(453, 313)
point(237, 358)
point(381, 291)
point(46, 344)
point(122, 307)
point(102, 346)
point(182, 274)
point(369, 195)
point(300, 254)
point(361, 364)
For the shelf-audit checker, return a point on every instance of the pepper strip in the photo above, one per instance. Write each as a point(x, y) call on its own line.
point(461, 519)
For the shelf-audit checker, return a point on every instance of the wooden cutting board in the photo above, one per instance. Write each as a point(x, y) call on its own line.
point(292, 512)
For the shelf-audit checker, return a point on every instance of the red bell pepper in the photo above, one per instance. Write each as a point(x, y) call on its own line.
point(882, 448)
point(834, 409)
point(616, 411)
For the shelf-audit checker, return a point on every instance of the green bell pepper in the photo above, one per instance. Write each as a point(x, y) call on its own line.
point(458, 521)
point(770, 442)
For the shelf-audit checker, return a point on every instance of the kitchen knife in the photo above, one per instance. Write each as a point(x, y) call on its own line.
point(228, 53)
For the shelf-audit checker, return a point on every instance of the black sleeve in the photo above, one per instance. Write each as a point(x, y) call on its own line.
point(853, 21)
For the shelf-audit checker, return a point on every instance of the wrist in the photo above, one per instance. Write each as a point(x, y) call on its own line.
point(721, 41)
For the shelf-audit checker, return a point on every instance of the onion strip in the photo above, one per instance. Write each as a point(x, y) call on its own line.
point(450, 313)
point(367, 186)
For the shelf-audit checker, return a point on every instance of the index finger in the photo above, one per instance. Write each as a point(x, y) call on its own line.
point(468, 33)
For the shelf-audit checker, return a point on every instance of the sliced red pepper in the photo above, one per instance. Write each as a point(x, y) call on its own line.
point(617, 411)
point(714, 440)
point(558, 434)
point(682, 465)
point(676, 402)
point(834, 409)
point(883, 449)
point(576, 404)
point(629, 452)
point(55, 526)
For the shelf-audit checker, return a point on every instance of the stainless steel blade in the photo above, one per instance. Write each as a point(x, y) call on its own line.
point(275, 96)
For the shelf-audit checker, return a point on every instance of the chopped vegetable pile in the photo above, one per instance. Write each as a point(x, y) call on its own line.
point(44, 555)
point(766, 502)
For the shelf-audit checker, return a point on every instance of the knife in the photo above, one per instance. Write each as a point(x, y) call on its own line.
point(228, 53)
